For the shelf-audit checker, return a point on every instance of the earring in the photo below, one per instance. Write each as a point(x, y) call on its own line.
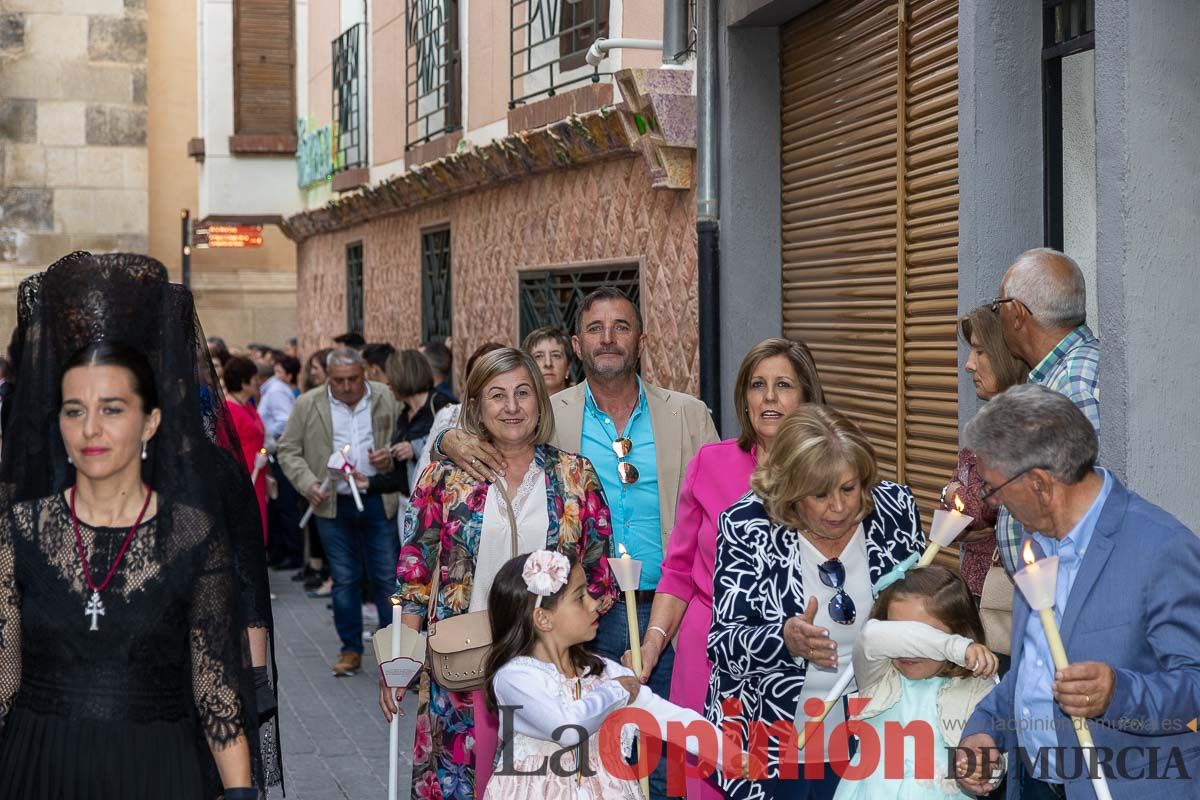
point(144, 454)
point(69, 461)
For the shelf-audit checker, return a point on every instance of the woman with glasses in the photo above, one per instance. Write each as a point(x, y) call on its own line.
point(461, 525)
point(992, 369)
point(775, 378)
point(797, 559)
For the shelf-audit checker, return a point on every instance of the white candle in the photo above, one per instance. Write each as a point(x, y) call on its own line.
point(260, 461)
point(1038, 582)
point(628, 572)
point(947, 525)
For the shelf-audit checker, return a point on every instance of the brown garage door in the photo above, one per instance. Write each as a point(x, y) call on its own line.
point(870, 220)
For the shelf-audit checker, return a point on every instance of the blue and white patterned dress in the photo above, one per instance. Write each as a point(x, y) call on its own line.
point(756, 588)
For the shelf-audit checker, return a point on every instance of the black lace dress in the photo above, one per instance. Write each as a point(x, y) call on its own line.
point(129, 710)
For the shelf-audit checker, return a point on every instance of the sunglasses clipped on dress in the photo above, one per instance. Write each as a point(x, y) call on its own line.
point(841, 605)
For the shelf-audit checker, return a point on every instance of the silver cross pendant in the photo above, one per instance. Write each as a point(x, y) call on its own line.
point(95, 610)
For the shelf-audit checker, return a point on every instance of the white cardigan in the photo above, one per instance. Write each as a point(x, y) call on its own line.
point(881, 641)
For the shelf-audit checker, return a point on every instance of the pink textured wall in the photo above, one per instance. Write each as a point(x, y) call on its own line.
point(596, 213)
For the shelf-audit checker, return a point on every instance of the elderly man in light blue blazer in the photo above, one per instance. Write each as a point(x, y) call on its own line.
point(1128, 606)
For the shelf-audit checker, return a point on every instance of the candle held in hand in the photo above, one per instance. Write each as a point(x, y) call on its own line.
point(947, 525)
point(1038, 583)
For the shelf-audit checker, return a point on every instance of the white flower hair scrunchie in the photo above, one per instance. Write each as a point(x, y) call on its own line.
point(545, 573)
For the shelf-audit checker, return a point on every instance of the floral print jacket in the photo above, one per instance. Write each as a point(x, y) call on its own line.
point(446, 511)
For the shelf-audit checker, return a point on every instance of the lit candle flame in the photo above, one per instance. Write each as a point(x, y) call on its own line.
point(262, 451)
point(958, 504)
point(346, 450)
point(621, 549)
point(1027, 552)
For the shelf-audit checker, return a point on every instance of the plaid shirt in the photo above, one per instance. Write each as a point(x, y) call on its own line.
point(1072, 368)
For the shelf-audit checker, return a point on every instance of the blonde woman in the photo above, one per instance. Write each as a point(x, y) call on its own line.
point(458, 524)
point(797, 559)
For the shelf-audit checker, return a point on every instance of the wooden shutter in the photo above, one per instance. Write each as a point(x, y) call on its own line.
point(264, 68)
point(870, 199)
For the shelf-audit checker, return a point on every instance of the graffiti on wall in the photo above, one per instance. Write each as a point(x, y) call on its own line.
point(315, 153)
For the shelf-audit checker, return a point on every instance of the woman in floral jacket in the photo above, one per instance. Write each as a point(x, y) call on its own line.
point(461, 525)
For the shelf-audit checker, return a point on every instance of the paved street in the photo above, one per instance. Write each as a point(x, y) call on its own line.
point(334, 737)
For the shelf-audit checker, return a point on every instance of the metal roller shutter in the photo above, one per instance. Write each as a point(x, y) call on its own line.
point(870, 221)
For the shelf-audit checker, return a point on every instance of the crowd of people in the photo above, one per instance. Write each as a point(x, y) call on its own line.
point(775, 564)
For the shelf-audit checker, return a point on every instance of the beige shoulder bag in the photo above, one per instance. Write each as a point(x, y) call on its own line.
point(458, 647)
point(995, 607)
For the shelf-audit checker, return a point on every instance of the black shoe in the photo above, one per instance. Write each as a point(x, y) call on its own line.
point(287, 565)
point(313, 582)
point(305, 574)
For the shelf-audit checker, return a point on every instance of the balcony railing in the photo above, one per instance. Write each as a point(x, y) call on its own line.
point(350, 98)
point(433, 72)
point(548, 43)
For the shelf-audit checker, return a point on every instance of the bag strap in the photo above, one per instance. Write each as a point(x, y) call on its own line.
point(437, 564)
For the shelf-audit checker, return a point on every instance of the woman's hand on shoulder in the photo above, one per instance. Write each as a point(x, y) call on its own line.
point(981, 661)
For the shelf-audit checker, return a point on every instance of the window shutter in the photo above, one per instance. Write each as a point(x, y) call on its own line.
point(264, 68)
point(869, 228)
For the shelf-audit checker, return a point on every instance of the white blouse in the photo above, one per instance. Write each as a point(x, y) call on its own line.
point(819, 680)
point(495, 537)
point(537, 692)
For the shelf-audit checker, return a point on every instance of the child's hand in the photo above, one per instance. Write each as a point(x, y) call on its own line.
point(632, 685)
point(981, 661)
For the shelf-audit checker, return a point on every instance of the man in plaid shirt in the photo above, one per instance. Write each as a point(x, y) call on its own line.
point(1043, 313)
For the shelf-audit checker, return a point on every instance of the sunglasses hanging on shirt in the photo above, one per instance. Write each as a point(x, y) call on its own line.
point(841, 605)
point(626, 472)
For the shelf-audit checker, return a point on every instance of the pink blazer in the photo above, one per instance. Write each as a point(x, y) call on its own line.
point(718, 475)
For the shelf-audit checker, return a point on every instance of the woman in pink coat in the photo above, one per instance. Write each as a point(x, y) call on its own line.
point(775, 377)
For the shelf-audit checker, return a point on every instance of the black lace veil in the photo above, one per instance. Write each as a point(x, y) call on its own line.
point(84, 298)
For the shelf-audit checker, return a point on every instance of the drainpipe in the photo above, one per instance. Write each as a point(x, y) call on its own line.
point(708, 253)
point(675, 30)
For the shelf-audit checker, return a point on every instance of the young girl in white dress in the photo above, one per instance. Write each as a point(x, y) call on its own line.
point(554, 696)
point(918, 659)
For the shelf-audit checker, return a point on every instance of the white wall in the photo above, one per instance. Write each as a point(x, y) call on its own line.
point(1079, 170)
point(241, 185)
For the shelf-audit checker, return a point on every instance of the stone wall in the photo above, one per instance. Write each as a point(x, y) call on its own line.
point(73, 163)
point(596, 213)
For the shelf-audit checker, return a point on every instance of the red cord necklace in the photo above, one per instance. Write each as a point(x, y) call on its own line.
point(95, 607)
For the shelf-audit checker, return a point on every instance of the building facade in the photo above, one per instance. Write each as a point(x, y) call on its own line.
point(97, 98)
point(907, 152)
point(73, 117)
point(467, 175)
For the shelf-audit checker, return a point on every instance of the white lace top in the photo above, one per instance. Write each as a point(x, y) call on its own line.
point(495, 539)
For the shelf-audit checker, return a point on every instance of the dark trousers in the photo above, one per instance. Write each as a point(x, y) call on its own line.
point(612, 640)
point(360, 544)
point(1033, 789)
point(283, 520)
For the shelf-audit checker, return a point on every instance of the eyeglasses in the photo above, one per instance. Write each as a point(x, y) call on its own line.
point(841, 605)
point(626, 472)
point(999, 301)
point(986, 492)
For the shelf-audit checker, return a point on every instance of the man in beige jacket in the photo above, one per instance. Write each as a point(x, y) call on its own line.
point(357, 417)
point(639, 438)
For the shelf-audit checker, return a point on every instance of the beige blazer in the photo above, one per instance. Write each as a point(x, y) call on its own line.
point(307, 441)
point(681, 424)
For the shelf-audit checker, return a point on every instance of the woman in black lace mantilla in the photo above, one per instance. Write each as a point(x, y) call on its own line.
point(125, 656)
